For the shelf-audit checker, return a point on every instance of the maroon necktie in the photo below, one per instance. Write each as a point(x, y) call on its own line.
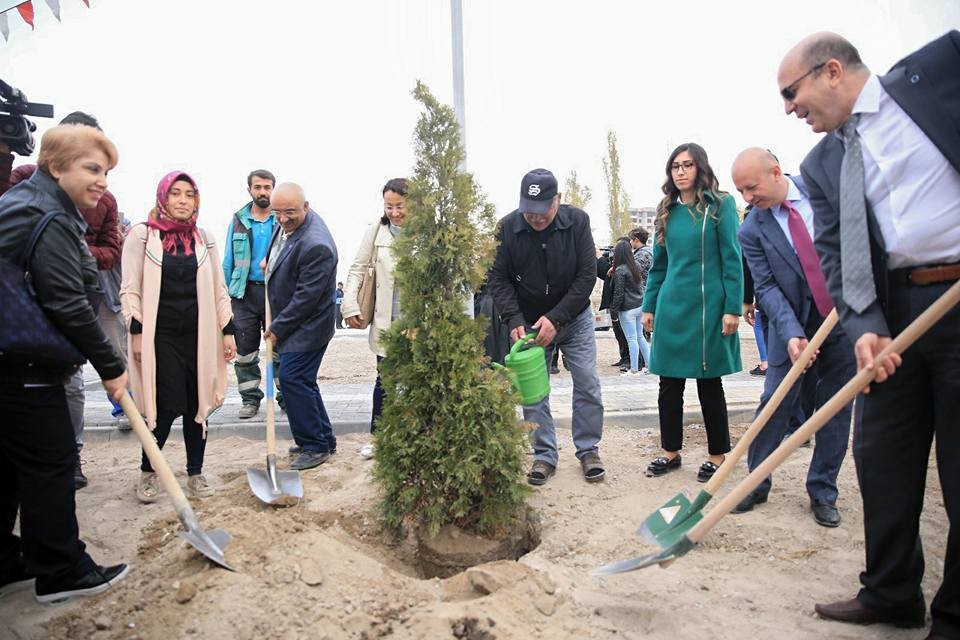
point(809, 261)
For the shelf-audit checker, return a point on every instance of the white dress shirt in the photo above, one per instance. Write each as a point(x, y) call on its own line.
point(801, 204)
point(912, 188)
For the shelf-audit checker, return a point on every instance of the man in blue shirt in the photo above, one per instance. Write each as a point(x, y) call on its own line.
point(248, 238)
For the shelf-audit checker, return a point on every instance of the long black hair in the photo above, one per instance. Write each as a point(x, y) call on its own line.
point(623, 255)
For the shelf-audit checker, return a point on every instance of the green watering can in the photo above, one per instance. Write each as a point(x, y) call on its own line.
point(527, 370)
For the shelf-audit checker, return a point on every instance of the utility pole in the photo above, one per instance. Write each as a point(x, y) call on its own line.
point(456, 30)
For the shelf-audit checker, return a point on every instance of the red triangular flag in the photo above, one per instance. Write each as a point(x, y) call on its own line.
point(86, 2)
point(26, 12)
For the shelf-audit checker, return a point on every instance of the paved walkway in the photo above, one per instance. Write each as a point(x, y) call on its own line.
point(630, 401)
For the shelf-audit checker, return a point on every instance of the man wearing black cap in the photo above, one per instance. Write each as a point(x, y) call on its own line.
point(541, 281)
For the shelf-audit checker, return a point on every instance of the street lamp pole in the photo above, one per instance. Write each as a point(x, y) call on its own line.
point(459, 108)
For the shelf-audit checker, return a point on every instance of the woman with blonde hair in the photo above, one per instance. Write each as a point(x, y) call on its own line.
point(376, 250)
point(692, 304)
point(181, 330)
point(38, 453)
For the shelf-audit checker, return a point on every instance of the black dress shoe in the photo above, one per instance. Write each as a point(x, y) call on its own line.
point(748, 503)
point(309, 460)
point(826, 515)
point(621, 362)
point(97, 580)
point(853, 612)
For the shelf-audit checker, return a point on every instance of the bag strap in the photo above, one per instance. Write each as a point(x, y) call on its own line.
point(35, 237)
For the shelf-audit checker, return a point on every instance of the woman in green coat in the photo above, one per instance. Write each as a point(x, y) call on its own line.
point(692, 304)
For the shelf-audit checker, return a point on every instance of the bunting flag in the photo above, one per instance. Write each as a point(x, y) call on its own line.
point(55, 8)
point(26, 12)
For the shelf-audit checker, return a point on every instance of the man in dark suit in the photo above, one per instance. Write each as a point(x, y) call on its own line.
point(885, 187)
point(301, 286)
point(777, 241)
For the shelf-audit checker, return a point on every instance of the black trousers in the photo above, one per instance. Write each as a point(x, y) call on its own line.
point(37, 460)
point(891, 448)
point(713, 404)
point(193, 438)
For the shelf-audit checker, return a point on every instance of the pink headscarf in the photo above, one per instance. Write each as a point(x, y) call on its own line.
point(173, 230)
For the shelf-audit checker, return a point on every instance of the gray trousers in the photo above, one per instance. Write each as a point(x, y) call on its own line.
point(579, 345)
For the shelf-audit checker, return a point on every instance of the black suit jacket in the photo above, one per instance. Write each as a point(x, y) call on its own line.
point(926, 85)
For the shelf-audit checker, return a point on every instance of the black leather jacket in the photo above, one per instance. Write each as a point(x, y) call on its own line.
point(63, 271)
point(627, 294)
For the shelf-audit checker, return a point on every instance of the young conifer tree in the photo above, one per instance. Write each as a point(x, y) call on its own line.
point(449, 449)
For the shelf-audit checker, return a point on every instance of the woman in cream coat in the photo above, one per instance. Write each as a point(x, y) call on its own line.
point(376, 250)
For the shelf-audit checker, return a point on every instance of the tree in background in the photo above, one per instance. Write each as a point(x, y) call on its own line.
point(574, 193)
point(448, 446)
point(618, 202)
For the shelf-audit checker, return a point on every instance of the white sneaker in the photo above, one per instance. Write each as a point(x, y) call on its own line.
point(629, 373)
point(366, 451)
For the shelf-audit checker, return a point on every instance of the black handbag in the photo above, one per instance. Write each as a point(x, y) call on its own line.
point(27, 334)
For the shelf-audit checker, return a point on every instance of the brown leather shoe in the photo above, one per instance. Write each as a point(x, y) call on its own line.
point(854, 612)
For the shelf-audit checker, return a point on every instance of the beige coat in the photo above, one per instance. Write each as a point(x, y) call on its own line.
point(140, 297)
point(377, 242)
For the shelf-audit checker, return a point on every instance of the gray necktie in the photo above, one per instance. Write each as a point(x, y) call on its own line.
point(275, 252)
point(858, 288)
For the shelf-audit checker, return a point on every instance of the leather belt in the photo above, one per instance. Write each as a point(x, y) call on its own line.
point(926, 275)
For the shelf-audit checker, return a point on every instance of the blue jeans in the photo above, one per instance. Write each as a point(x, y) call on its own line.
point(758, 334)
point(580, 348)
point(309, 421)
point(633, 331)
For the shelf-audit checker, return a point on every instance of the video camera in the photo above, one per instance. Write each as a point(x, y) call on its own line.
point(15, 130)
point(606, 252)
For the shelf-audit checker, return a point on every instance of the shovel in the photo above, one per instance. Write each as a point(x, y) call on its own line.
point(281, 488)
point(678, 515)
point(680, 541)
point(210, 543)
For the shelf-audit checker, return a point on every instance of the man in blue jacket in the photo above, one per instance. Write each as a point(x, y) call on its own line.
point(301, 275)
point(248, 236)
point(777, 241)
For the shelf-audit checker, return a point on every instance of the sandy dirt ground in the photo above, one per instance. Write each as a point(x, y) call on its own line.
point(321, 569)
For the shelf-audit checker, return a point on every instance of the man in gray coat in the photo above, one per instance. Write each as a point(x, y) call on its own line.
point(301, 285)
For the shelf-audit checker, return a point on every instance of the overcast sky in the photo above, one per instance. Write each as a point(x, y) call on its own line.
point(319, 92)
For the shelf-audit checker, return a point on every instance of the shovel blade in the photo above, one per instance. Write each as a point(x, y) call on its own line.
point(664, 558)
point(288, 490)
point(211, 543)
point(674, 519)
point(673, 510)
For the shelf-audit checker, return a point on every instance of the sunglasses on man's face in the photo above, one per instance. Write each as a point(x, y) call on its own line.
point(789, 92)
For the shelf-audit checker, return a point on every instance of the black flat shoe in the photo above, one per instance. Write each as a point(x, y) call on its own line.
point(661, 465)
point(707, 469)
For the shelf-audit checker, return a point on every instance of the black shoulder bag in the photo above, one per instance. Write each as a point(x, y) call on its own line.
point(26, 333)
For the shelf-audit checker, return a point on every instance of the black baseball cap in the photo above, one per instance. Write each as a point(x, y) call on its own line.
point(537, 191)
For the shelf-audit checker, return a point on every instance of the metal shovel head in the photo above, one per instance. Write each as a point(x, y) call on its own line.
point(211, 543)
point(678, 515)
point(663, 558)
point(286, 491)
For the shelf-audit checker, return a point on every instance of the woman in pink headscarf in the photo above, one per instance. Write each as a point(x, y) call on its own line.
point(178, 311)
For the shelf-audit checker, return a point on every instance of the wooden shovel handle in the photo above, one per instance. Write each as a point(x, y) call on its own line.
point(772, 404)
point(949, 299)
point(271, 427)
point(157, 461)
